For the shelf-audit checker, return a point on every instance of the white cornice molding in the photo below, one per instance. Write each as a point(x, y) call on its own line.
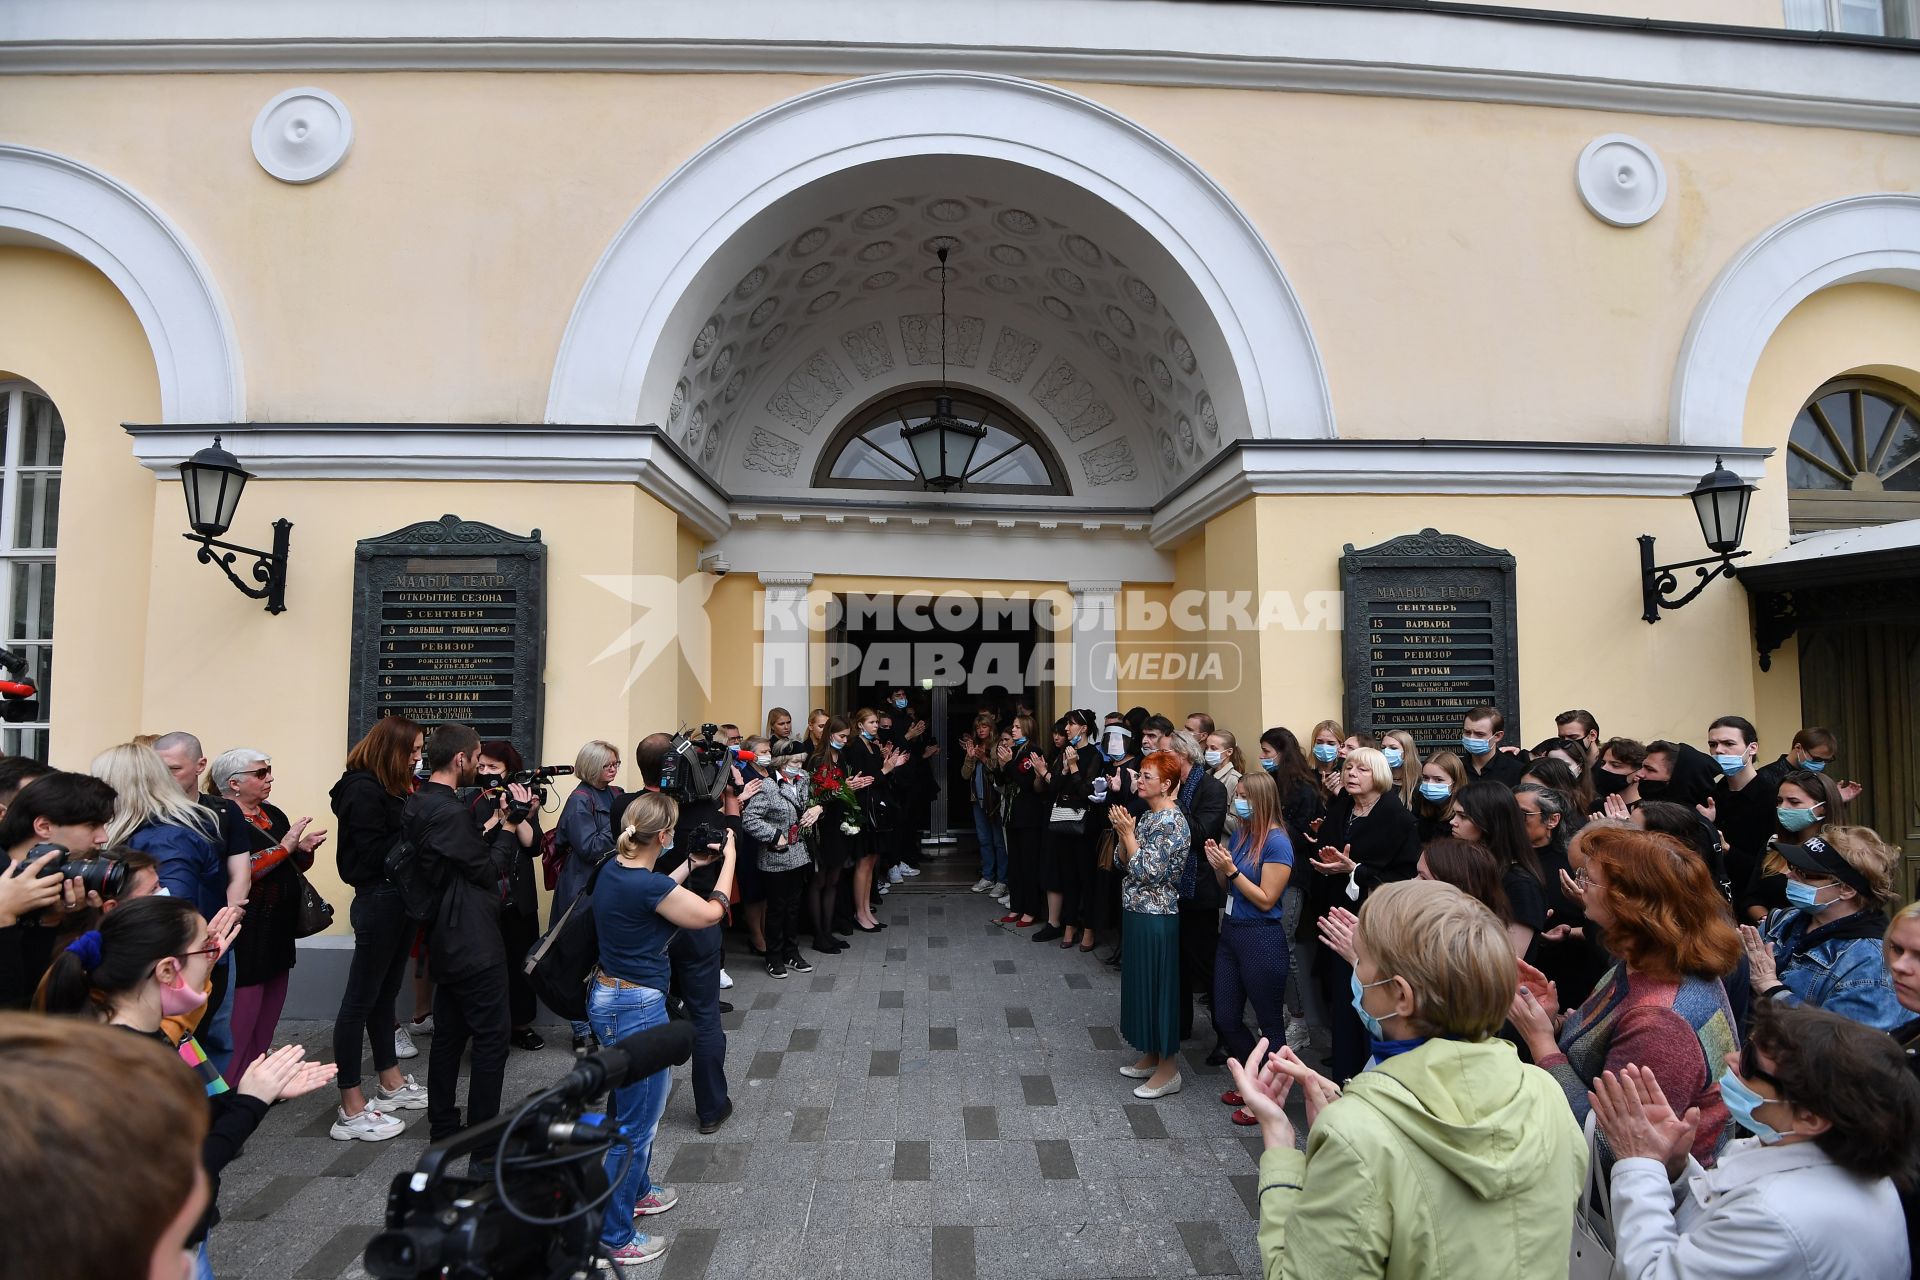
point(1860, 238)
point(53, 201)
point(1440, 467)
point(404, 451)
point(1732, 74)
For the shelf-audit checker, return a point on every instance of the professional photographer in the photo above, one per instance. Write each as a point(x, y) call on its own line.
point(464, 862)
point(584, 836)
point(66, 809)
point(637, 913)
point(520, 912)
point(702, 829)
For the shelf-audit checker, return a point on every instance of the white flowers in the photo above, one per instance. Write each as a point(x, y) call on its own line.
point(850, 828)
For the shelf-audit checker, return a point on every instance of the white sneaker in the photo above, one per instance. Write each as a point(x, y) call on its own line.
point(1299, 1037)
point(410, 1096)
point(895, 874)
point(726, 980)
point(999, 890)
point(908, 871)
point(368, 1126)
point(403, 1043)
point(1005, 900)
point(981, 885)
point(884, 889)
point(421, 1026)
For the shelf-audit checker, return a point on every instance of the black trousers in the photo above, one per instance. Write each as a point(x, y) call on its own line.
point(1024, 889)
point(519, 932)
point(1351, 1044)
point(1199, 940)
point(695, 955)
point(470, 1008)
point(784, 890)
point(382, 935)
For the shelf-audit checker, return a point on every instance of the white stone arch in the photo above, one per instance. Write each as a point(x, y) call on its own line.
point(1872, 238)
point(631, 325)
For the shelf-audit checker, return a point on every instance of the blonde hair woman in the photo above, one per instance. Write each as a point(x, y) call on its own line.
point(1403, 757)
point(1901, 950)
point(585, 835)
point(636, 912)
point(1384, 1187)
point(1222, 754)
point(1252, 958)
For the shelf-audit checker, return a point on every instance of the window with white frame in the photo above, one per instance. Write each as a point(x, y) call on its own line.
point(33, 444)
point(1895, 19)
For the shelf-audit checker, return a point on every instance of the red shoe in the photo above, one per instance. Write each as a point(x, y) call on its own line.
point(1027, 924)
point(1232, 1098)
point(1008, 918)
point(1242, 1116)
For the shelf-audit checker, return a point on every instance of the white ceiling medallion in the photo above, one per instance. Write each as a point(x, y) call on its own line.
point(1621, 180)
point(302, 135)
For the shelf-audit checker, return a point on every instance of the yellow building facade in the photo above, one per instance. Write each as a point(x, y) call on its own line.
point(1253, 284)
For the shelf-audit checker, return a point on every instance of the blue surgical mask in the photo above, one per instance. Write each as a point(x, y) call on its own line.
point(839, 744)
point(1814, 766)
point(1394, 756)
point(1325, 752)
point(899, 704)
point(1805, 896)
point(1367, 1020)
point(1242, 807)
point(1213, 757)
point(1019, 741)
point(1435, 791)
point(867, 734)
point(1476, 746)
point(1741, 1102)
point(1730, 765)
point(1795, 819)
point(1270, 765)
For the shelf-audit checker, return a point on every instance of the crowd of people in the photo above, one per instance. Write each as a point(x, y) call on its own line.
point(1642, 1002)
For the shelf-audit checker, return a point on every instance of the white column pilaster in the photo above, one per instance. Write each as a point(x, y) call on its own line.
point(1095, 633)
point(784, 642)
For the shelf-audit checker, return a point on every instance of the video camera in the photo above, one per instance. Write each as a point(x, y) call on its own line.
point(19, 696)
point(535, 780)
point(529, 1204)
point(696, 770)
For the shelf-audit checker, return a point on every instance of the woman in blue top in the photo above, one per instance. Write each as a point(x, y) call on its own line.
point(637, 911)
point(1250, 962)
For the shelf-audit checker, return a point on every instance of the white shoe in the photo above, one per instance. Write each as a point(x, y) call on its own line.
point(895, 875)
point(1136, 1073)
point(368, 1126)
point(1171, 1086)
point(410, 1096)
point(981, 885)
point(884, 889)
point(403, 1043)
point(1005, 900)
point(726, 980)
point(908, 871)
point(999, 890)
point(1299, 1036)
point(421, 1026)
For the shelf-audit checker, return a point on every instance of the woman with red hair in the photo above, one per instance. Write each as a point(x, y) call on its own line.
point(1663, 1005)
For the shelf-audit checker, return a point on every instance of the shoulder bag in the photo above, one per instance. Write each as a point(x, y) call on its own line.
point(560, 966)
point(316, 913)
point(1067, 820)
point(1590, 1254)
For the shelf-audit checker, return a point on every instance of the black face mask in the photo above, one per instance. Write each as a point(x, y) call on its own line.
point(1607, 783)
point(1651, 790)
point(488, 781)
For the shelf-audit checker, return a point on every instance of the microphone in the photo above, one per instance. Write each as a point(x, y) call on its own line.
point(635, 1058)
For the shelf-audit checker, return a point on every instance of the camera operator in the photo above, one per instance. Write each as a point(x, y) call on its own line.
point(637, 911)
point(465, 862)
point(696, 953)
point(67, 809)
point(520, 913)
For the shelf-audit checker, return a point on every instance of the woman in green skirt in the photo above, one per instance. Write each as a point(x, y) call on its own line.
point(1155, 850)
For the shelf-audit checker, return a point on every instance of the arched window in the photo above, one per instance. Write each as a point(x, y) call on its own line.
point(1853, 456)
point(33, 443)
point(870, 451)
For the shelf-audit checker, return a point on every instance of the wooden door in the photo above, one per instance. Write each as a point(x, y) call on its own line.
point(1863, 682)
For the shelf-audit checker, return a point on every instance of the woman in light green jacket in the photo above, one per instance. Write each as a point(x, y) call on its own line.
point(1448, 1157)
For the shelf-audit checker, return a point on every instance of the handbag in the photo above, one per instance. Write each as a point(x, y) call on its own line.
point(1067, 820)
point(1590, 1253)
point(559, 968)
point(1108, 843)
point(316, 913)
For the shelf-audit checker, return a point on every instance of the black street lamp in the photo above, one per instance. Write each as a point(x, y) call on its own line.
point(1720, 503)
point(943, 445)
point(213, 481)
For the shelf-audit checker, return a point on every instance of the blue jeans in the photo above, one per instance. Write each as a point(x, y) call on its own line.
point(616, 1013)
point(993, 846)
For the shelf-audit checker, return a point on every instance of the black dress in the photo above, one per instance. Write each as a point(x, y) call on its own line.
point(265, 948)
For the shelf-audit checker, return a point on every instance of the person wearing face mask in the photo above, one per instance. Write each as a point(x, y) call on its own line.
point(1742, 803)
point(1251, 962)
point(1805, 804)
point(584, 837)
point(151, 960)
point(1403, 759)
point(778, 818)
point(1617, 774)
point(1302, 808)
point(1446, 1160)
point(1441, 775)
point(1068, 853)
point(1224, 762)
point(1813, 750)
point(1482, 730)
point(1676, 771)
point(520, 909)
point(1825, 949)
point(1814, 1192)
point(1154, 850)
point(1568, 772)
point(1020, 769)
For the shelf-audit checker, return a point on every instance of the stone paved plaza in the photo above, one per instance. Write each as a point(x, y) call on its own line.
point(941, 1101)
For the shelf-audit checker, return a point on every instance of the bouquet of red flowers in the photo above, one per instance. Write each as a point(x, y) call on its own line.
point(830, 782)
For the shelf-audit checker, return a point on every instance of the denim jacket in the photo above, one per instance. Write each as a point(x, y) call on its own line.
point(1838, 967)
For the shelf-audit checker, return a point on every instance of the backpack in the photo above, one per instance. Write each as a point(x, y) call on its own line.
point(418, 895)
point(559, 967)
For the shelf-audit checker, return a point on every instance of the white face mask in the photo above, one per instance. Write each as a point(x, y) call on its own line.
point(763, 759)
